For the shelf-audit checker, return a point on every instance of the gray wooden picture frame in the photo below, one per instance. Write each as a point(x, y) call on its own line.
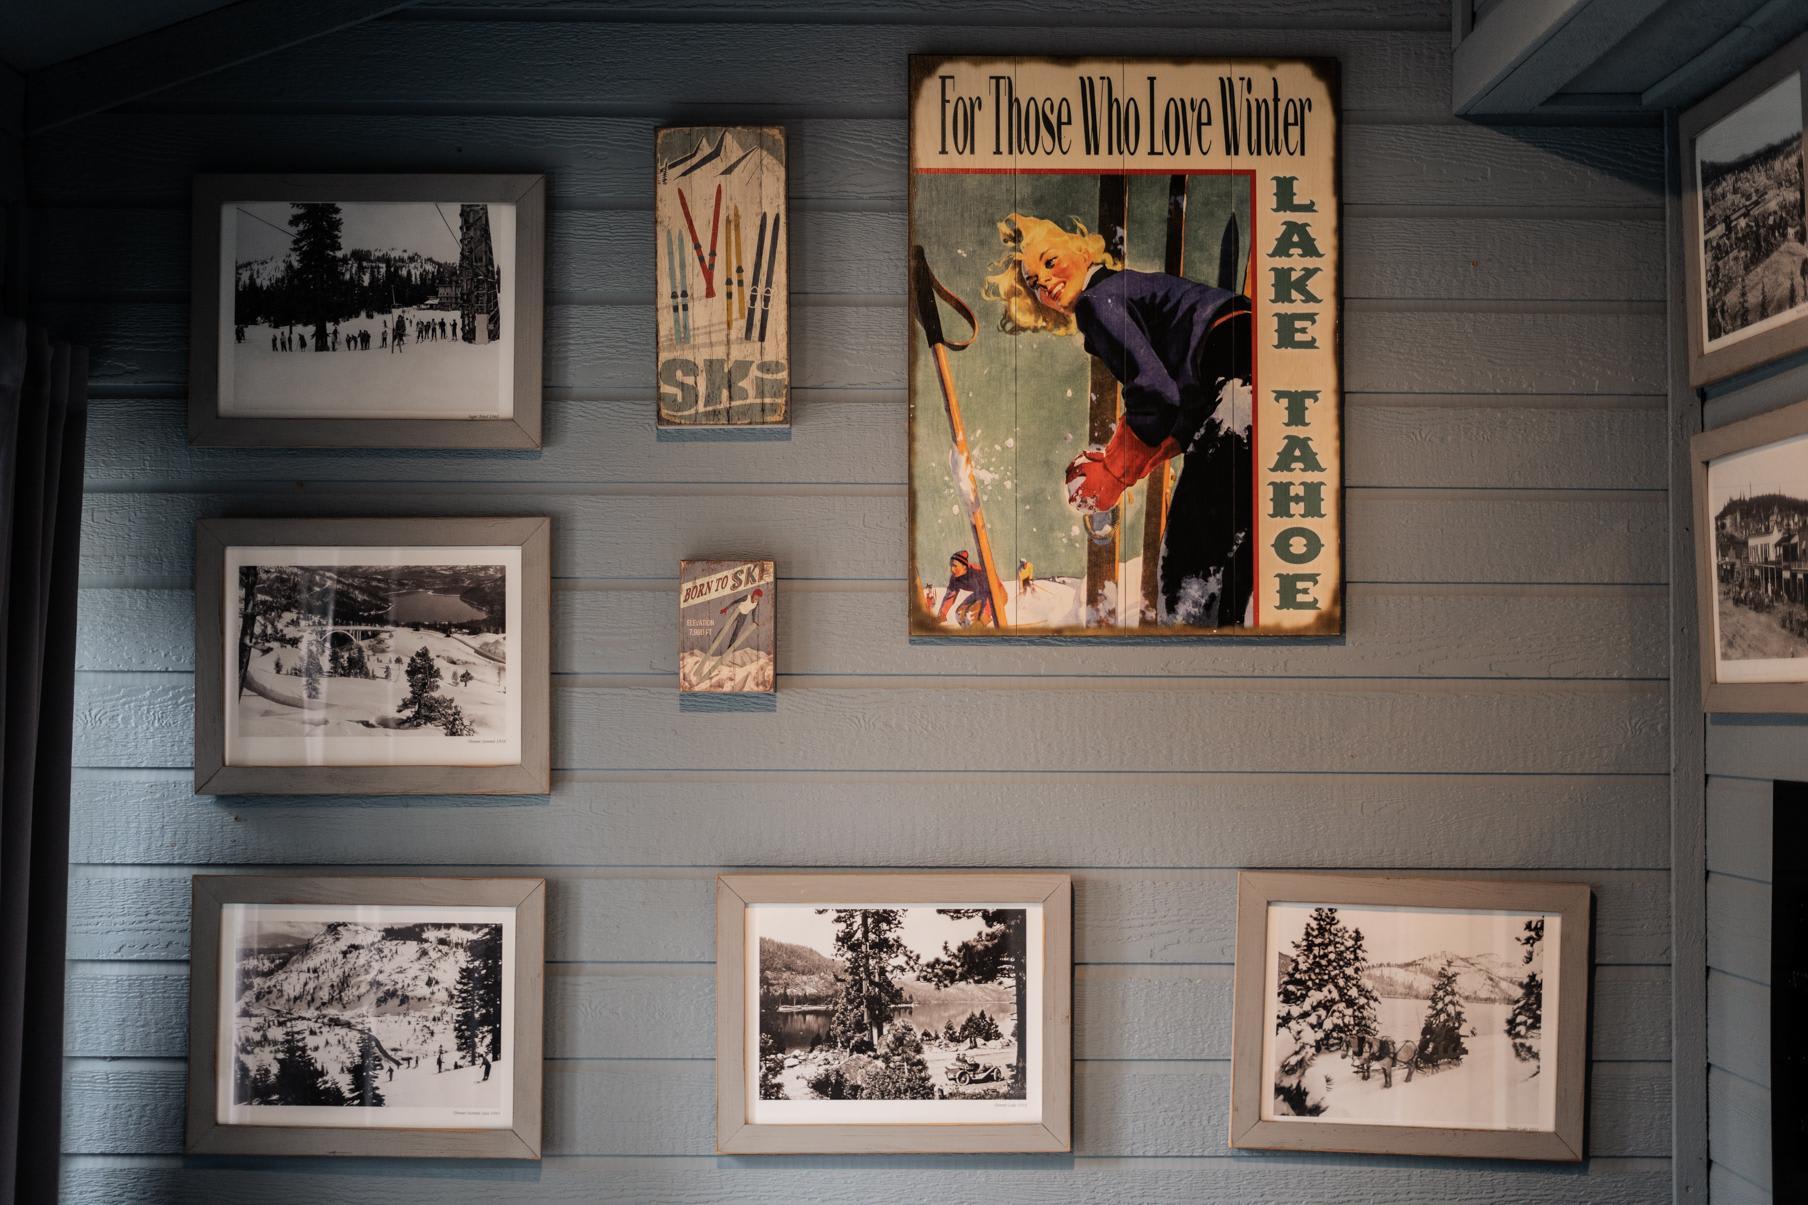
point(1256, 889)
point(1772, 698)
point(531, 776)
point(736, 1135)
point(1707, 366)
point(208, 428)
point(206, 1135)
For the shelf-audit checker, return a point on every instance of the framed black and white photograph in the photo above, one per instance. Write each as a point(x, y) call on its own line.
point(1746, 228)
point(367, 311)
point(400, 656)
point(1751, 562)
point(893, 1012)
point(1410, 1016)
point(366, 1016)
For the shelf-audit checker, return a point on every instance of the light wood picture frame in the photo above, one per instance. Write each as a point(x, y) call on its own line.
point(308, 904)
point(1745, 218)
point(480, 683)
point(1749, 481)
point(470, 307)
point(750, 905)
point(1288, 1093)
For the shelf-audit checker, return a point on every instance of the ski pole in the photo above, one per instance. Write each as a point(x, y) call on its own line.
point(924, 289)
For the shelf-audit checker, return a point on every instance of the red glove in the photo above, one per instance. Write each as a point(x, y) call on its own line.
point(1096, 480)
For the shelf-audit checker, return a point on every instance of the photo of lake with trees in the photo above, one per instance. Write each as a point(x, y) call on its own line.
point(892, 1003)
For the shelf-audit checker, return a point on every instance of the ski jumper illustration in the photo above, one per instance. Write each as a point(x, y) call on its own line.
point(735, 632)
point(1182, 352)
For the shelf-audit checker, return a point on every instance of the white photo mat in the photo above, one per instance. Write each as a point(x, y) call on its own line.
point(899, 1112)
point(434, 380)
point(380, 747)
point(234, 921)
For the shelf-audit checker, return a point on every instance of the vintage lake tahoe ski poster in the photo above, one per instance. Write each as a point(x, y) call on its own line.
point(722, 276)
point(1125, 373)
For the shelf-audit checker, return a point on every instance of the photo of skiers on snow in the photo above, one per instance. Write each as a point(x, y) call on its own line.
point(908, 1004)
point(368, 310)
point(366, 1008)
point(361, 663)
point(1405, 1016)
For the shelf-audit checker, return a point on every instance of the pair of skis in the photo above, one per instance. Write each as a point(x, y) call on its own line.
point(761, 299)
point(678, 269)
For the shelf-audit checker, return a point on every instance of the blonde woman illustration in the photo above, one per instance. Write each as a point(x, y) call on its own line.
point(1182, 352)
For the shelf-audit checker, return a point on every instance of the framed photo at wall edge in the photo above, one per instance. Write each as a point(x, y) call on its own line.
point(1745, 229)
point(1750, 483)
point(335, 311)
point(1402, 1016)
point(891, 1013)
point(372, 656)
point(366, 1016)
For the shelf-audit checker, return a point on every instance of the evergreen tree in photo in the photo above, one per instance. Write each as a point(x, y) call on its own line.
point(311, 669)
point(451, 720)
point(1525, 1023)
point(477, 998)
point(950, 1034)
point(423, 702)
point(979, 1027)
point(1441, 1036)
point(903, 1073)
point(868, 945)
point(365, 1072)
point(298, 1079)
point(247, 620)
point(772, 1068)
point(998, 953)
point(1322, 999)
point(314, 248)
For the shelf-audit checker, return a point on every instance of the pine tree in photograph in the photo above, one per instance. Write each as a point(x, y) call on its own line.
point(364, 1072)
point(1525, 1023)
point(903, 1073)
point(314, 249)
point(996, 954)
point(299, 1080)
point(772, 1070)
point(311, 669)
point(1441, 1036)
point(247, 620)
point(477, 999)
point(1322, 1000)
point(868, 945)
point(423, 703)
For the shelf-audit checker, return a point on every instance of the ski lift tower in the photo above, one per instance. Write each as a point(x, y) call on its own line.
point(479, 286)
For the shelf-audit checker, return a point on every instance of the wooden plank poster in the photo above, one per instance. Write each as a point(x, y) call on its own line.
point(727, 627)
point(722, 276)
point(1125, 375)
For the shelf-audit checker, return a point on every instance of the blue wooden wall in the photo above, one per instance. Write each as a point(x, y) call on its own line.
point(1499, 705)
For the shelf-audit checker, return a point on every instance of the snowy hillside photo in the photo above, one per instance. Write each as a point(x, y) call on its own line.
point(407, 663)
point(900, 1012)
point(399, 1009)
point(1410, 1016)
point(367, 309)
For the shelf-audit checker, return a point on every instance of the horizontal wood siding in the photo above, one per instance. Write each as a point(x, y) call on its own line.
point(1498, 705)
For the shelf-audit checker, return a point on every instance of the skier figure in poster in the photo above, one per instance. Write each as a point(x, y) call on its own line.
point(1182, 352)
point(965, 576)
